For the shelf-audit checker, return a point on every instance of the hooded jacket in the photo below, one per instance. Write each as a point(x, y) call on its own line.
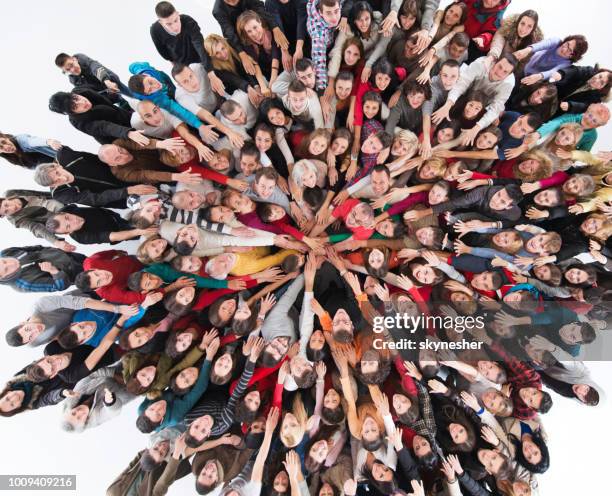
point(164, 97)
point(104, 121)
point(483, 23)
point(30, 278)
point(93, 184)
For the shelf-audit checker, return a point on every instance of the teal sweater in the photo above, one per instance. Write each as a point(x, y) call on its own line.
point(178, 406)
point(168, 274)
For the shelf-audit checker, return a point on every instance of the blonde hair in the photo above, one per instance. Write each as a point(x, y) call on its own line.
point(221, 65)
point(576, 130)
point(142, 255)
point(603, 233)
point(295, 435)
point(513, 247)
point(543, 171)
point(409, 138)
point(171, 160)
point(300, 167)
point(437, 164)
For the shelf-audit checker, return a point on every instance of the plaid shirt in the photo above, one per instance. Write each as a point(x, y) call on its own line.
point(367, 160)
point(322, 38)
point(520, 375)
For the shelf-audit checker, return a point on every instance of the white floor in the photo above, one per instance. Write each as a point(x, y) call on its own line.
point(117, 33)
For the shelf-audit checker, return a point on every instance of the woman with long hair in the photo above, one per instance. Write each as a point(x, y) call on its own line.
point(27, 151)
point(348, 57)
point(541, 98)
point(517, 31)
point(581, 86)
point(228, 68)
point(258, 41)
point(364, 24)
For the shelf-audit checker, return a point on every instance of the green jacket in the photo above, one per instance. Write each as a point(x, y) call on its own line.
point(168, 274)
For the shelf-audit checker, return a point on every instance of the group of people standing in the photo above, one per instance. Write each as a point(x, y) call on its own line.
point(317, 167)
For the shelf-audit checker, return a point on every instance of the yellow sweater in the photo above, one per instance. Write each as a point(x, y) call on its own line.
point(258, 259)
point(597, 167)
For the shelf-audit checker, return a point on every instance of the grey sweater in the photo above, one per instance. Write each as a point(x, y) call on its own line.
point(55, 312)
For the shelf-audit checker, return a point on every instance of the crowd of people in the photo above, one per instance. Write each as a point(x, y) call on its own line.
point(317, 166)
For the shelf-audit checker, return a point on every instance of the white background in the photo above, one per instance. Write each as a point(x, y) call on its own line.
point(117, 33)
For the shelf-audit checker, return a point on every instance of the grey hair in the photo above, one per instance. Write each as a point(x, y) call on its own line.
point(41, 174)
point(300, 167)
point(68, 427)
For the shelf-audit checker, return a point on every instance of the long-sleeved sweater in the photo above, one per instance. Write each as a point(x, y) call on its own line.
point(476, 77)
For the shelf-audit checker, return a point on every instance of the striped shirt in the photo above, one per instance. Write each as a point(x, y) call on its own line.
point(221, 411)
point(193, 217)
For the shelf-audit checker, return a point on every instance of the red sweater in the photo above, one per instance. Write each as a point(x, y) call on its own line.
point(207, 298)
point(121, 266)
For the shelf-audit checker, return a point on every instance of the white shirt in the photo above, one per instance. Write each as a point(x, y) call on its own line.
point(169, 124)
point(204, 98)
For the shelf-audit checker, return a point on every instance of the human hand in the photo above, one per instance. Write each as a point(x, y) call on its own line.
point(48, 267)
point(187, 177)
point(138, 137)
point(437, 387)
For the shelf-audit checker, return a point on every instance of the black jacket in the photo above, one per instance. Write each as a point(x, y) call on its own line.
point(478, 200)
point(99, 224)
point(94, 184)
point(226, 15)
point(290, 17)
point(93, 74)
point(572, 78)
point(105, 122)
point(30, 278)
point(185, 48)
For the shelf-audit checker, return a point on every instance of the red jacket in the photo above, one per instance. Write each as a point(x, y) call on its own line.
point(483, 23)
point(121, 266)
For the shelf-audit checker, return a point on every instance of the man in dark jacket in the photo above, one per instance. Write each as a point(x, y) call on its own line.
point(85, 72)
point(27, 209)
point(488, 202)
point(87, 225)
point(179, 40)
point(38, 268)
point(95, 114)
point(226, 13)
point(81, 177)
